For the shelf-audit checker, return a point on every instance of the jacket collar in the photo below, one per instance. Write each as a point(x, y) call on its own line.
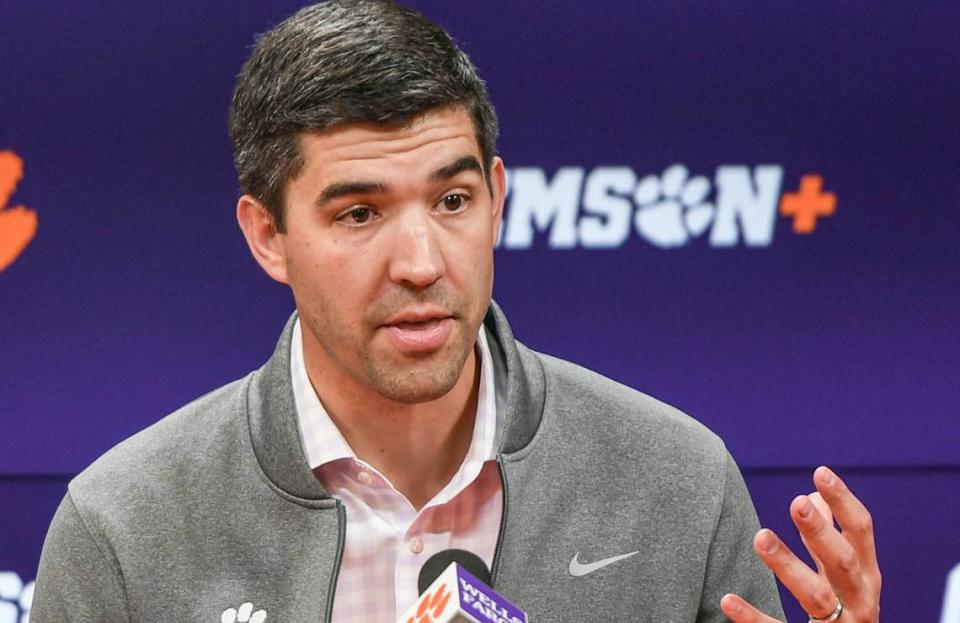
point(275, 432)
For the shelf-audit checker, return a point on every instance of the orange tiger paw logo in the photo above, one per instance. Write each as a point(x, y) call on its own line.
point(18, 225)
point(431, 606)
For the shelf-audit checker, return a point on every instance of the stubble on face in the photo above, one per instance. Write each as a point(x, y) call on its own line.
point(396, 377)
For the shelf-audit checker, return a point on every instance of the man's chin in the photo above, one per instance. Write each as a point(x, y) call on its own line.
point(416, 396)
point(419, 387)
point(418, 380)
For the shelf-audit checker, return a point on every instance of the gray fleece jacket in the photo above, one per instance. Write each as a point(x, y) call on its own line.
point(215, 506)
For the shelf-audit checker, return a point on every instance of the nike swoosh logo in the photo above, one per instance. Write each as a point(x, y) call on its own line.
point(578, 568)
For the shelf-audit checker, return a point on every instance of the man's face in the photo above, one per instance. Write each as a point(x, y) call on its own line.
point(389, 253)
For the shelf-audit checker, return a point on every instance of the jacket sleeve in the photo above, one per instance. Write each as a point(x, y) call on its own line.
point(77, 581)
point(732, 565)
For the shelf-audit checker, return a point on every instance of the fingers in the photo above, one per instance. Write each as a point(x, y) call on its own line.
point(812, 591)
point(824, 509)
point(851, 514)
point(847, 561)
point(739, 610)
point(821, 505)
point(840, 562)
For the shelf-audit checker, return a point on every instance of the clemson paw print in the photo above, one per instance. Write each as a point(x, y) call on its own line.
point(671, 208)
point(18, 225)
point(243, 614)
point(15, 598)
point(431, 606)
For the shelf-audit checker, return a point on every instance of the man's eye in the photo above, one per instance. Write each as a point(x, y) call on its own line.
point(357, 216)
point(454, 203)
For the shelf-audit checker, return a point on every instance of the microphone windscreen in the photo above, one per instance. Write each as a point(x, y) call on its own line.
point(435, 565)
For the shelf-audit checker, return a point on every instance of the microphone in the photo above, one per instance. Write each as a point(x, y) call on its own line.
point(452, 592)
point(436, 564)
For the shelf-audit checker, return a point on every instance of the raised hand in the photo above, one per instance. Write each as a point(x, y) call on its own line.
point(846, 585)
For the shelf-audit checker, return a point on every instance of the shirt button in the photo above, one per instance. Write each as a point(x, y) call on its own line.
point(365, 478)
point(416, 545)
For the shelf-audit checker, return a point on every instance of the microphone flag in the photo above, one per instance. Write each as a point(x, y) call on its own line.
point(457, 596)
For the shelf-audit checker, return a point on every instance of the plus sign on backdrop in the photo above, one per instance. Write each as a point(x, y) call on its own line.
point(808, 204)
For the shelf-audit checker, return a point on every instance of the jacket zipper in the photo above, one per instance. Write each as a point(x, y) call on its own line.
point(341, 539)
point(503, 522)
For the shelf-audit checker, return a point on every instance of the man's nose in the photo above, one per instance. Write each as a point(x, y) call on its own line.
point(417, 257)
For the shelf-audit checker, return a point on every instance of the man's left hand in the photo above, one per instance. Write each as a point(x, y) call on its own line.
point(847, 571)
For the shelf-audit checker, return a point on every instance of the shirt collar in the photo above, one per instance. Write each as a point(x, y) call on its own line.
point(323, 443)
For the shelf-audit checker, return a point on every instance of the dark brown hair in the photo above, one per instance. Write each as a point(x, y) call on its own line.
point(339, 62)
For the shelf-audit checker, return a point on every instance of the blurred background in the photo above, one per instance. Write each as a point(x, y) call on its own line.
point(744, 209)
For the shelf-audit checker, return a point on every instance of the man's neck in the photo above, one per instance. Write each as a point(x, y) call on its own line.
point(418, 447)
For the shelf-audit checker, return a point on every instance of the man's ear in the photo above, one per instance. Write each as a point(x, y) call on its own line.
point(498, 184)
point(266, 244)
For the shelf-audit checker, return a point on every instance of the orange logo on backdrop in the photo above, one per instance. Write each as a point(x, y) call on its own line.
point(431, 606)
point(18, 225)
point(808, 204)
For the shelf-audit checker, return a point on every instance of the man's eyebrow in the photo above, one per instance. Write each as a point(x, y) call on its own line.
point(466, 163)
point(342, 189)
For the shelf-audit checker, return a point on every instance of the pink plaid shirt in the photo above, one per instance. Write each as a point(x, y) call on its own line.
point(387, 540)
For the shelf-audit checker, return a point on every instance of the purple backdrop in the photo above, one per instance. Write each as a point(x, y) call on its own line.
point(137, 293)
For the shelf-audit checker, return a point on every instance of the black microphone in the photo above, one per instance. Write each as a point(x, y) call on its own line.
point(454, 587)
point(436, 564)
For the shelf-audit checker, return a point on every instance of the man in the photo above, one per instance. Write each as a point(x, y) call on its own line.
point(398, 416)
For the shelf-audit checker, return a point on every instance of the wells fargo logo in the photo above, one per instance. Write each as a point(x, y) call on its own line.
point(18, 224)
